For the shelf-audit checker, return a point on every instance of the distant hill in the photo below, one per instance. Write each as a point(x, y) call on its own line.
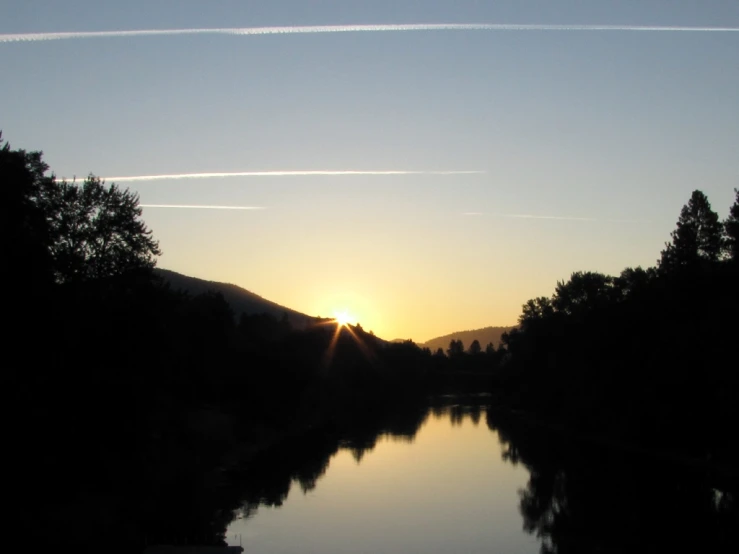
point(484, 335)
point(240, 300)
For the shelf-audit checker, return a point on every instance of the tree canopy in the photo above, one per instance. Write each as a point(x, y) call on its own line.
point(583, 291)
point(97, 231)
point(623, 356)
point(456, 348)
point(64, 232)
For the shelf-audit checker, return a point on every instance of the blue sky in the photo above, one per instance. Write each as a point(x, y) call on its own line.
point(617, 127)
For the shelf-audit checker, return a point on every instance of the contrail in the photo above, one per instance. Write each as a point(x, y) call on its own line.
point(134, 178)
point(198, 207)
point(554, 217)
point(322, 29)
point(531, 216)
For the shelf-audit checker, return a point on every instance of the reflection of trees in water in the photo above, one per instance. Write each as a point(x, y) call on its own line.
point(267, 479)
point(457, 407)
point(582, 498)
point(459, 413)
point(205, 510)
point(456, 414)
point(439, 410)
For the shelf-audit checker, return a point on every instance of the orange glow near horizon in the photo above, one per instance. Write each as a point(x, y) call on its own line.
point(421, 211)
point(343, 318)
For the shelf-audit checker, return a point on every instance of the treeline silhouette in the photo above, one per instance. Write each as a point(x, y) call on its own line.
point(485, 336)
point(647, 357)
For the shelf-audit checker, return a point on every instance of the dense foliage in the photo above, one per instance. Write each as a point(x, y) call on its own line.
point(648, 356)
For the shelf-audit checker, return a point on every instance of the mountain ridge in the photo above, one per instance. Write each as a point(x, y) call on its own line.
point(238, 298)
point(484, 335)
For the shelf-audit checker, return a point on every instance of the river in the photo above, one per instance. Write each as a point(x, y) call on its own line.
point(445, 489)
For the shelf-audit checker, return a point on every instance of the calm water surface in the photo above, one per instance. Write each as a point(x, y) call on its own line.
point(445, 489)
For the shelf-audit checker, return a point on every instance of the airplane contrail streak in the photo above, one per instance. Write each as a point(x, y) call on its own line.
point(531, 216)
point(553, 217)
point(198, 207)
point(134, 178)
point(322, 29)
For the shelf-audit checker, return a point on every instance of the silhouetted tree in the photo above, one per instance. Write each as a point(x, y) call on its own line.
point(25, 236)
point(25, 263)
point(731, 226)
point(490, 349)
point(609, 354)
point(534, 309)
point(475, 347)
point(631, 280)
point(584, 291)
point(456, 348)
point(698, 236)
point(75, 232)
point(97, 231)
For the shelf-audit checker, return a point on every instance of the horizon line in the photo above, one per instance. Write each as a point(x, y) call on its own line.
point(356, 28)
point(202, 207)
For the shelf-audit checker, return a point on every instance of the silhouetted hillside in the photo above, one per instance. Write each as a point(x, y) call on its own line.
point(484, 336)
point(240, 300)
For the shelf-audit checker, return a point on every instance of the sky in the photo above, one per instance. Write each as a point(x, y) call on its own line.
point(424, 181)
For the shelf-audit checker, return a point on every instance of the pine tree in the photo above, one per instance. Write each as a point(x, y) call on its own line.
point(698, 237)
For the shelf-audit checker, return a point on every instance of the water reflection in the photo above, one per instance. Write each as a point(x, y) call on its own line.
point(266, 480)
point(389, 488)
point(458, 412)
point(581, 497)
point(446, 493)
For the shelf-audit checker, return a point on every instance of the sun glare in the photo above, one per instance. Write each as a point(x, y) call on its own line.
point(343, 318)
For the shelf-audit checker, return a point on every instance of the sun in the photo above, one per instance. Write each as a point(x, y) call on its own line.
point(343, 318)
